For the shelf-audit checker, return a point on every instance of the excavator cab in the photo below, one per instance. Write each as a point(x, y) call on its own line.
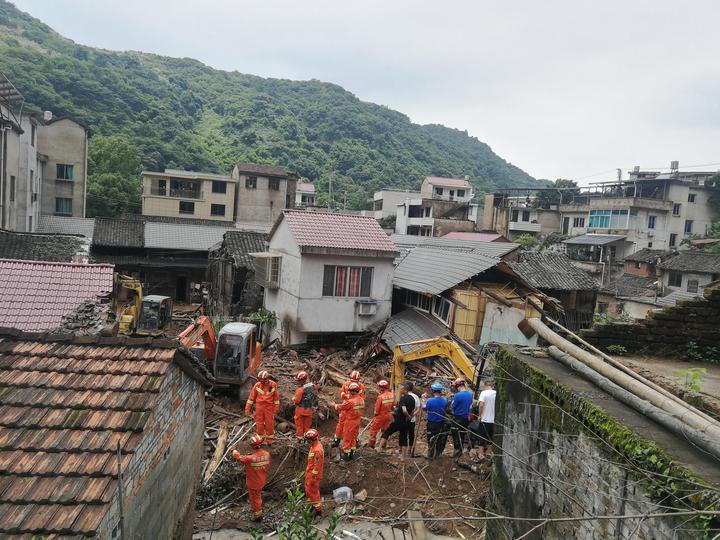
point(155, 314)
point(235, 353)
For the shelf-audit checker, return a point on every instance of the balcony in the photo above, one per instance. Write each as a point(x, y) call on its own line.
point(453, 198)
point(524, 226)
point(420, 221)
point(619, 203)
point(173, 193)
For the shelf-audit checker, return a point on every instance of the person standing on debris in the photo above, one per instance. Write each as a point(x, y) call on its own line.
point(306, 399)
point(256, 467)
point(264, 396)
point(435, 408)
point(314, 470)
point(460, 415)
point(353, 409)
point(345, 395)
point(383, 411)
point(486, 412)
point(401, 420)
point(413, 422)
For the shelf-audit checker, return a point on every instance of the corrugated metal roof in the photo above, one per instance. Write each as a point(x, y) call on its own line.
point(594, 239)
point(548, 270)
point(490, 249)
point(693, 261)
point(432, 271)
point(66, 225)
point(412, 325)
point(35, 296)
point(185, 237)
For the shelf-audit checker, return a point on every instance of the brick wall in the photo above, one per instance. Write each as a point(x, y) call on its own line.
point(162, 474)
point(666, 332)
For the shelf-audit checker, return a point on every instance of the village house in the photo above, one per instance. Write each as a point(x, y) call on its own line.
point(516, 212)
point(386, 201)
point(482, 236)
point(600, 255)
point(304, 193)
point(264, 191)
point(102, 437)
point(188, 194)
point(325, 275)
point(689, 271)
point(43, 247)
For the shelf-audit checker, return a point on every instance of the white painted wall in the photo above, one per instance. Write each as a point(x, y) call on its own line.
point(702, 279)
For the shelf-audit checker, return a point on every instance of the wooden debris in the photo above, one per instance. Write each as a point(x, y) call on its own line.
point(218, 455)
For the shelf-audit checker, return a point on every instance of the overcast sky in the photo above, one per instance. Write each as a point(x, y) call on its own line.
point(568, 88)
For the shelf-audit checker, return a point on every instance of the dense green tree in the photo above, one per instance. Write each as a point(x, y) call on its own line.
point(566, 191)
point(114, 185)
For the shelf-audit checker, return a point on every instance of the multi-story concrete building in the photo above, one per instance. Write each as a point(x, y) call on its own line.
point(188, 194)
point(447, 189)
point(264, 191)
point(304, 194)
point(385, 202)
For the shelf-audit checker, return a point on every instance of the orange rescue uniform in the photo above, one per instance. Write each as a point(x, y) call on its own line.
point(353, 409)
point(314, 473)
point(256, 468)
point(345, 395)
point(264, 395)
point(383, 415)
point(303, 415)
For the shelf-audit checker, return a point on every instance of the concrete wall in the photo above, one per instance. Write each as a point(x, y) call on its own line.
point(443, 226)
point(161, 477)
point(64, 142)
point(702, 279)
point(428, 189)
point(385, 202)
point(262, 203)
point(159, 205)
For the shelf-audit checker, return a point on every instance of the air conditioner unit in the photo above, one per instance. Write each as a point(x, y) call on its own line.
point(367, 308)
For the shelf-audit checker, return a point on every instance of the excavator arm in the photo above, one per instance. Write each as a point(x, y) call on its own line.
point(200, 329)
point(460, 364)
point(128, 316)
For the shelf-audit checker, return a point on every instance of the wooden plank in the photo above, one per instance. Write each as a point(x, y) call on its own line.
point(417, 526)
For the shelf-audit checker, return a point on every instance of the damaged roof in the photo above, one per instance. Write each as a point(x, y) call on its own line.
point(66, 404)
point(35, 296)
point(239, 245)
point(693, 261)
point(39, 247)
point(490, 249)
point(647, 255)
point(346, 232)
point(412, 325)
point(110, 232)
point(629, 285)
point(181, 236)
point(66, 225)
point(548, 270)
point(432, 271)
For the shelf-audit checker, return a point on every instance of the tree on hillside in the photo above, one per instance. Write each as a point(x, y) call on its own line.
point(114, 185)
point(566, 195)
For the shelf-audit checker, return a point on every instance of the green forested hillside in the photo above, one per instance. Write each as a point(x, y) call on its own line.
point(181, 113)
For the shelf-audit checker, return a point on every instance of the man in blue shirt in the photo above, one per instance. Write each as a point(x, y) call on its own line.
point(460, 415)
point(436, 407)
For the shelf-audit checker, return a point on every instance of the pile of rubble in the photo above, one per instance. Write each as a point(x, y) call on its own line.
point(88, 318)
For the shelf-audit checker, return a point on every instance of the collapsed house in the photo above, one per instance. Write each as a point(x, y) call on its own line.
point(43, 247)
point(101, 437)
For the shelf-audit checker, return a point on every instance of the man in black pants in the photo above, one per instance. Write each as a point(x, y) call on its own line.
point(460, 415)
point(401, 421)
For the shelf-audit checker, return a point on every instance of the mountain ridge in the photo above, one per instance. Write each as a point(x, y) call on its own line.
point(181, 113)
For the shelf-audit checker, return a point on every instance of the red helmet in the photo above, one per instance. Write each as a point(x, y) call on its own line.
point(354, 387)
point(256, 440)
point(263, 375)
point(383, 383)
point(301, 376)
point(312, 434)
point(355, 376)
point(458, 382)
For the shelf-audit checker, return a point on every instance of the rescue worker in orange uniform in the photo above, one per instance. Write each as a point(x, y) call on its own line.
point(353, 409)
point(264, 395)
point(256, 467)
point(345, 395)
point(305, 400)
point(314, 470)
point(383, 411)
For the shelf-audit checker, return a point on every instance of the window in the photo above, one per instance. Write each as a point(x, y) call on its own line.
point(526, 215)
point(579, 222)
point(267, 270)
point(63, 206)
point(461, 192)
point(649, 245)
point(274, 184)
point(674, 279)
point(691, 197)
point(352, 281)
point(651, 222)
point(438, 191)
point(514, 217)
point(692, 285)
point(251, 182)
point(33, 132)
point(219, 187)
point(714, 277)
point(688, 226)
point(12, 188)
point(673, 239)
point(638, 264)
point(420, 301)
point(441, 309)
point(217, 209)
point(64, 172)
point(608, 219)
point(187, 207)
point(676, 209)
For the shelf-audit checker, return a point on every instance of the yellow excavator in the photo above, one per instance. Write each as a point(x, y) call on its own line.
point(145, 315)
point(460, 364)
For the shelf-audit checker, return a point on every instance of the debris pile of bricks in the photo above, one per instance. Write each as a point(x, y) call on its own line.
point(88, 318)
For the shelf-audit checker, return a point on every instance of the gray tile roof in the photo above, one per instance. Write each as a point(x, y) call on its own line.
point(66, 225)
point(693, 261)
point(240, 243)
point(412, 325)
point(647, 255)
point(594, 239)
point(548, 270)
point(111, 232)
point(39, 247)
point(184, 237)
point(629, 285)
point(672, 298)
point(491, 249)
point(432, 271)
point(151, 261)
point(180, 220)
point(262, 170)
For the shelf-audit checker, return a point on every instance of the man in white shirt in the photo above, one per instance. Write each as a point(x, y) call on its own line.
point(486, 412)
point(413, 421)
